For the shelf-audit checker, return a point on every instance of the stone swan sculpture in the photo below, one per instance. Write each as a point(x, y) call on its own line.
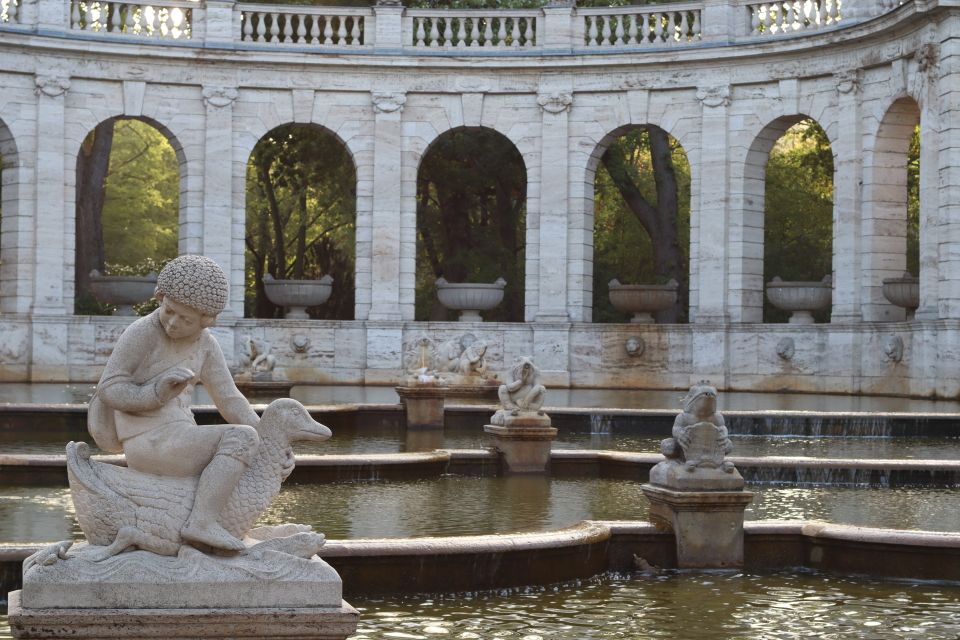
point(119, 508)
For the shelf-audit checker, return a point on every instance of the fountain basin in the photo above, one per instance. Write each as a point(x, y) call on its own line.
point(642, 300)
point(123, 291)
point(470, 298)
point(801, 299)
point(903, 292)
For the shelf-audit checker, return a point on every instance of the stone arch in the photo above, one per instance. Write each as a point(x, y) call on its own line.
point(514, 273)
point(341, 283)
point(884, 209)
point(746, 260)
point(589, 176)
point(14, 282)
point(184, 167)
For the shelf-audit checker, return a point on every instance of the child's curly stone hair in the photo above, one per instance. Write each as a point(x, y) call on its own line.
point(196, 281)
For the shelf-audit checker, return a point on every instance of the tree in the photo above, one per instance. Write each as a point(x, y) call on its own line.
point(649, 172)
point(301, 216)
point(93, 164)
point(471, 213)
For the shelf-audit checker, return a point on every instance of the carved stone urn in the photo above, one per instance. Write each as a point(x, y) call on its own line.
point(903, 292)
point(470, 298)
point(123, 291)
point(296, 295)
point(801, 299)
point(642, 300)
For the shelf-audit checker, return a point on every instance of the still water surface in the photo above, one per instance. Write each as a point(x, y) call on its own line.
point(457, 505)
point(707, 606)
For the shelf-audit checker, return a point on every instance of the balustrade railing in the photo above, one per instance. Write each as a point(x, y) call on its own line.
point(782, 18)
point(639, 26)
point(309, 26)
point(168, 20)
point(452, 29)
point(9, 11)
point(475, 32)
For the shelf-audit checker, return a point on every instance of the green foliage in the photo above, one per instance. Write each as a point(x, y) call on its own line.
point(301, 217)
point(913, 204)
point(141, 208)
point(798, 215)
point(471, 217)
point(622, 248)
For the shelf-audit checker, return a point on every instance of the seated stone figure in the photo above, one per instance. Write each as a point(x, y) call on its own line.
point(142, 404)
point(523, 394)
point(699, 407)
point(472, 361)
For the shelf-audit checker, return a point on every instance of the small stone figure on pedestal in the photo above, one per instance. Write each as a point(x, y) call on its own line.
point(170, 536)
point(696, 492)
point(521, 431)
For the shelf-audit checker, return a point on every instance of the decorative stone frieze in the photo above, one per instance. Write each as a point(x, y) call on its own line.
point(51, 85)
point(219, 97)
point(555, 102)
point(635, 346)
point(848, 81)
point(716, 96)
point(388, 101)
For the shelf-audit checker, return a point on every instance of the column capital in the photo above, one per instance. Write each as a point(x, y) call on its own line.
point(52, 85)
point(219, 97)
point(555, 101)
point(388, 101)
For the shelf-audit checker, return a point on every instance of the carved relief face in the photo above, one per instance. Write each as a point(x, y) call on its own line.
point(181, 322)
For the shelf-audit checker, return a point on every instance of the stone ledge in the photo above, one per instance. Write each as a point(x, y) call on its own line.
point(320, 623)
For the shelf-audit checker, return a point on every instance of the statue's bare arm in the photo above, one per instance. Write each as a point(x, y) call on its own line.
point(117, 387)
point(218, 382)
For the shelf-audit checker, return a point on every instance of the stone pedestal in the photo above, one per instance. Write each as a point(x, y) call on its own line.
point(708, 525)
point(523, 439)
point(424, 406)
point(139, 594)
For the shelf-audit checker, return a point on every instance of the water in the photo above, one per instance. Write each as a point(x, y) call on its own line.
point(457, 505)
point(708, 606)
point(387, 439)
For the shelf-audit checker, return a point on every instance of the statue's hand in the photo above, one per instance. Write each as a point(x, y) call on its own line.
point(172, 383)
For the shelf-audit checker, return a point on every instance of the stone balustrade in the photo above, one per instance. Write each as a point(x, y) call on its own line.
point(308, 26)
point(9, 11)
point(473, 28)
point(466, 31)
point(171, 20)
point(784, 18)
point(639, 26)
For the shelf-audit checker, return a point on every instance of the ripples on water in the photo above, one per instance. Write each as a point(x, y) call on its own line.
point(458, 505)
point(675, 605)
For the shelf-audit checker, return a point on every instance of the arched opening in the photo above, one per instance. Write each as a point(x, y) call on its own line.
point(127, 205)
point(471, 220)
point(641, 229)
point(891, 206)
point(301, 221)
point(10, 259)
point(789, 204)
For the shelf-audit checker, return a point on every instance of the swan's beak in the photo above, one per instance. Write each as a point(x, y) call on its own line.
point(312, 431)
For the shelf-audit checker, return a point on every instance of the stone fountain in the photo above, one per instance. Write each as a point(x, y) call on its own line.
point(696, 492)
point(171, 550)
point(521, 431)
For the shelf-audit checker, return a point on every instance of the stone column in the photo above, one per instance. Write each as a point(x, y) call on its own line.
point(222, 227)
point(848, 176)
point(52, 250)
point(927, 92)
point(388, 32)
point(219, 27)
point(712, 215)
point(387, 155)
point(554, 206)
point(948, 229)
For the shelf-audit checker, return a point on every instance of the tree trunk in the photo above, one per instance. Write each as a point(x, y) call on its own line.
point(93, 165)
point(660, 220)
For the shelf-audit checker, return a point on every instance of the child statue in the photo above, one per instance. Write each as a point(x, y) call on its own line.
point(142, 403)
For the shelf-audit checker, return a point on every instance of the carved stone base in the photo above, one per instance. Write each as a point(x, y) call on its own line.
point(424, 406)
point(320, 623)
point(524, 442)
point(707, 525)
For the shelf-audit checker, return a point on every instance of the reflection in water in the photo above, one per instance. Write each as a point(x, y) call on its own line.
point(711, 606)
point(457, 505)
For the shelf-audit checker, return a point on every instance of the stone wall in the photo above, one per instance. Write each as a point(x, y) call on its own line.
point(725, 90)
